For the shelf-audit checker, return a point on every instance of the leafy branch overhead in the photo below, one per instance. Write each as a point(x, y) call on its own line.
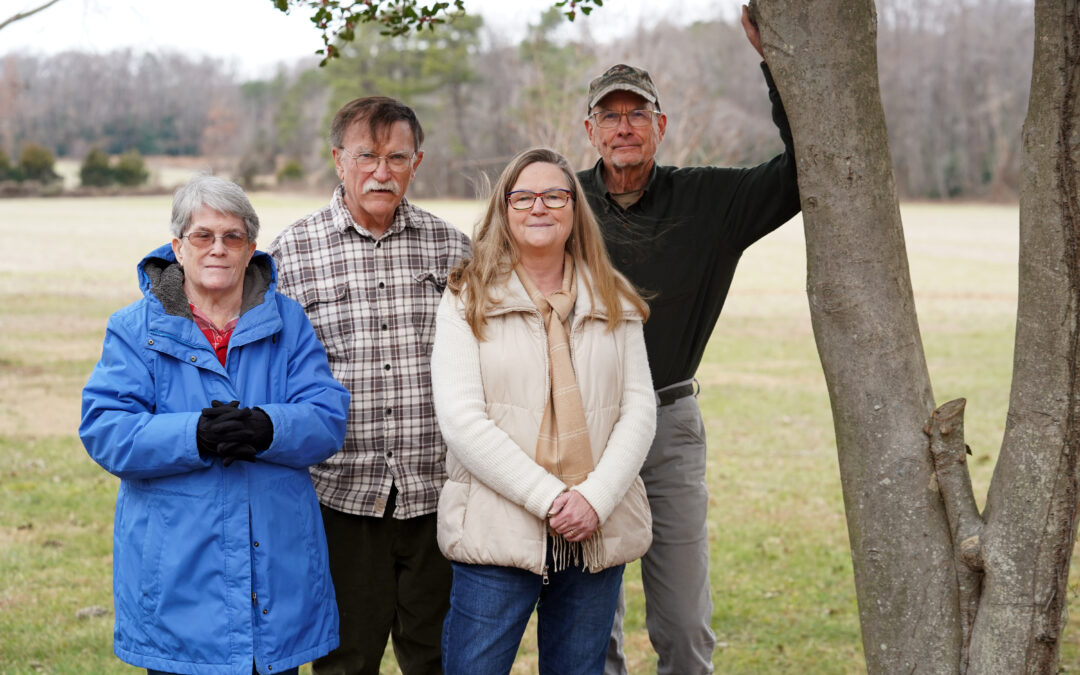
point(337, 20)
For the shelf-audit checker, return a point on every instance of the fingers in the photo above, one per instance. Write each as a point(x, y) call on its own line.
point(576, 519)
point(232, 430)
point(230, 452)
point(226, 412)
point(557, 505)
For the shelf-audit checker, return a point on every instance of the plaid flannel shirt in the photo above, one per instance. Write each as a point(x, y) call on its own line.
point(372, 303)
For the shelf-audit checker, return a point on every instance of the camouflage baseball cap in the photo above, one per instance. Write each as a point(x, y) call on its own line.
point(622, 77)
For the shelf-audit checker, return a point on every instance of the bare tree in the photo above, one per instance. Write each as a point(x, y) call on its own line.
point(941, 587)
point(19, 16)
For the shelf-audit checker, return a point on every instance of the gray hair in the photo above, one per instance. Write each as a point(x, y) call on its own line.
point(380, 113)
point(214, 193)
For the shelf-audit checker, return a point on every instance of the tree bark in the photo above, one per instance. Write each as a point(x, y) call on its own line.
point(823, 57)
point(1032, 502)
point(941, 588)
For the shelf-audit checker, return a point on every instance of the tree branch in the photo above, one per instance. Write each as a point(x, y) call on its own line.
point(338, 20)
point(946, 431)
point(25, 15)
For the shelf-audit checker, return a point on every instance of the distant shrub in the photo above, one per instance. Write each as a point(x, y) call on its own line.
point(291, 172)
point(95, 170)
point(247, 170)
point(5, 166)
point(36, 163)
point(130, 169)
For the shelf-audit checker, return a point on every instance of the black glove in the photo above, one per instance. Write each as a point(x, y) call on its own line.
point(262, 429)
point(251, 426)
point(231, 451)
point(207, 435)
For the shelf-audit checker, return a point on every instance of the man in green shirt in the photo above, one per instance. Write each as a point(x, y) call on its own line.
point(677, 234)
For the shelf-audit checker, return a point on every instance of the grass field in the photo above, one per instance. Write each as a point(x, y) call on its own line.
point(781, 570)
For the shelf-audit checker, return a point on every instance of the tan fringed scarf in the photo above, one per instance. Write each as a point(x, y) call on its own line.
point(563, 444)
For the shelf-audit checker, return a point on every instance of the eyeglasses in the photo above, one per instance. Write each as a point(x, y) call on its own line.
point(367, 161)
point(202, 239)
point(523, 200)
point(605, 119)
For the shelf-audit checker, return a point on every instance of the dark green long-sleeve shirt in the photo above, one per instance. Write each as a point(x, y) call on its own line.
point(682, 240)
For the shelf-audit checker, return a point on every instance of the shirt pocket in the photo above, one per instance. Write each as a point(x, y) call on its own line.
point(333, 312)
point(424, 295)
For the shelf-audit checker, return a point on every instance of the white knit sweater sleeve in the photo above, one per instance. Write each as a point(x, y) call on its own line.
point(632, 435)
point(485, 450)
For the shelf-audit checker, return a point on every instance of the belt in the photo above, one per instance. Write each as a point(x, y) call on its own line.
point(669, 395)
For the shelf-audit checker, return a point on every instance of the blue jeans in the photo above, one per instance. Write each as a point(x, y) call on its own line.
point(290, 671)
point(491, 605)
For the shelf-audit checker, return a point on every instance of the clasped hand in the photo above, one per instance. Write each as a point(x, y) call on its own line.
point(572, 517)
point(231, 432)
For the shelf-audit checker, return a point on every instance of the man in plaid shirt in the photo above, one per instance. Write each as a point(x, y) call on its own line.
point(369, 269)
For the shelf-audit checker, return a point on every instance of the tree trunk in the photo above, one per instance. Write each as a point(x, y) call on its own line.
point(941, 588)
point(824, 59)
point(1031, 506)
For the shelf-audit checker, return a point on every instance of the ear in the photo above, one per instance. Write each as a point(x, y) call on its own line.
point(419, 158)
point(338, 166)
point(176, 244)
point(251, 252)
point(589, 130)
point(661, 122)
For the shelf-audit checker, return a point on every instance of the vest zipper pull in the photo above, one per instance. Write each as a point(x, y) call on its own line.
point(544, 574)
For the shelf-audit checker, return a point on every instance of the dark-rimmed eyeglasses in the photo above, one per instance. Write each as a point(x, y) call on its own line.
point(605, 119)
point(369, 161)
point(203, 239)
point(523, 200)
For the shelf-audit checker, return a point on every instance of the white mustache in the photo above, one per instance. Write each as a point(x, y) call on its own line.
point(371, 185)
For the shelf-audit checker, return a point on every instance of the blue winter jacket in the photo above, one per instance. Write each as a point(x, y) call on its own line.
point(215, 567)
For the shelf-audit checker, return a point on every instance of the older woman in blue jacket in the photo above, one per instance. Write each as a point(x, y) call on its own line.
point(219, 556)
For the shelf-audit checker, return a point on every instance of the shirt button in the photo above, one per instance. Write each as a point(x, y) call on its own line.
point(378, 244)
point(389, 411)
point(149, 342)
point(382, 285)
point(384, 326)
point(386, 367)
point(194, 359)
point(389, 453)
point(266, 611)
point(256, 544)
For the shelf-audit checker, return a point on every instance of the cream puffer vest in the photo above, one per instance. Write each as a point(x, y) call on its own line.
point(479, 526)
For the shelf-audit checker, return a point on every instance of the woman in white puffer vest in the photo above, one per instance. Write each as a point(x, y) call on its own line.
point(544, 398)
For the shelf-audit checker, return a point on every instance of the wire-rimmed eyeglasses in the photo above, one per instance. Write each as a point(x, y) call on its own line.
point(369, 161)
point(204, 239)
point(605, 119)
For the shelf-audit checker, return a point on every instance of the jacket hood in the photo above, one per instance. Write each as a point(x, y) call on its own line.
point(162, 277)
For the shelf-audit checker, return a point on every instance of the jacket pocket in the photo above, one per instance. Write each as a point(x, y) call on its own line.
point(150, 556)
point(628, 530)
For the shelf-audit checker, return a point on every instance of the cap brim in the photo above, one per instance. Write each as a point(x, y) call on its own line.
point(599, 96)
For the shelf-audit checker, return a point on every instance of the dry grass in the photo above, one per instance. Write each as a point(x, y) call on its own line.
point(781, 575)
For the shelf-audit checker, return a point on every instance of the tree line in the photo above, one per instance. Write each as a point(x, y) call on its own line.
point(954, 79)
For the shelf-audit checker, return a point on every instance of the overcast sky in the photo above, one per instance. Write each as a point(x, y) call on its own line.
point(254, 35)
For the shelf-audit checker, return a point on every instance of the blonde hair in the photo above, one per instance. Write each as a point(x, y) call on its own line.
point(495, 253)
